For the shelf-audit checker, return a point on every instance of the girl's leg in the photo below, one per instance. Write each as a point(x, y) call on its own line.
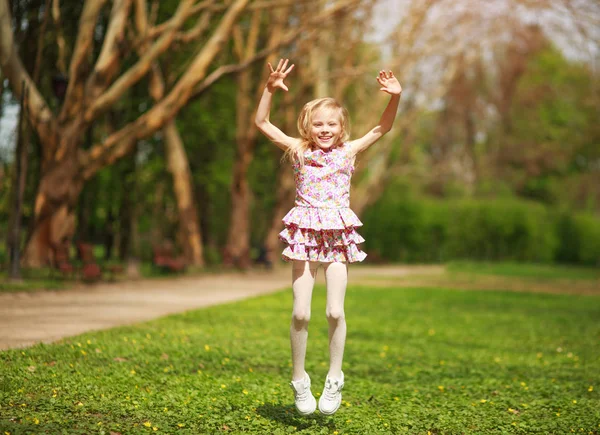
point(303, 281)
point(336, 276)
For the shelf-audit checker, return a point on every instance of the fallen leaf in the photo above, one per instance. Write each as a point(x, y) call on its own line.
point(119, 359)
point(164, 356)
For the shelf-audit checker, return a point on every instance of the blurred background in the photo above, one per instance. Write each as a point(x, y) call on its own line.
point(127, 136)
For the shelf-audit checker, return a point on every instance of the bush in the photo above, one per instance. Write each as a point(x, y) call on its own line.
point(410, 229)
point(579, 236)
point(501, 230)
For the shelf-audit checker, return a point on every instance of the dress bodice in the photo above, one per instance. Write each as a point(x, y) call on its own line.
point(324, 179)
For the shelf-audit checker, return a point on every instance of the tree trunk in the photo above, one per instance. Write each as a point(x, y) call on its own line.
point(58, 192)
point(237, 248)
point(286, 187)
point(177, 163)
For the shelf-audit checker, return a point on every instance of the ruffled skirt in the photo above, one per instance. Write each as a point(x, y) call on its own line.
point(322, 234)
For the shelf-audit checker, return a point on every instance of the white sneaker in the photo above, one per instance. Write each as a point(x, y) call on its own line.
point(305, 401)
point(331, 399)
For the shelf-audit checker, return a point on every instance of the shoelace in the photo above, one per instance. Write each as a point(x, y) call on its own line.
point(331, 389)
point(303, 395)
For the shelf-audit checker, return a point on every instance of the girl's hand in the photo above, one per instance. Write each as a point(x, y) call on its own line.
point(389, 83)
point(278, 75)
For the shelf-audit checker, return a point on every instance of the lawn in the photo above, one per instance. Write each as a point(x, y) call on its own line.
point(537, 271)
point(418, 361)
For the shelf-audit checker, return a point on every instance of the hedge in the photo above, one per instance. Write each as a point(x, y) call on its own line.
point(425, 230)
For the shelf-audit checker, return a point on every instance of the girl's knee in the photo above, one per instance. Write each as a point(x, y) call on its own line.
point(300, 316)
point(335, 314)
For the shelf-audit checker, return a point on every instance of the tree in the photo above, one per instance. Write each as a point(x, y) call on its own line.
point(91, 91)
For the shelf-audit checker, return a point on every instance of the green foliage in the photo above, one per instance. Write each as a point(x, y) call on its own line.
point(521, 270)
point(411, 229)
point(580, 239)
point(435, 361)
point(554, 131)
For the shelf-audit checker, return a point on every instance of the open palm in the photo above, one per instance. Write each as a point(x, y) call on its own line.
point(279, 74)
point(389, 83)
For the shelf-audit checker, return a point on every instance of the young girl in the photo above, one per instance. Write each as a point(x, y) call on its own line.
point(320, 229)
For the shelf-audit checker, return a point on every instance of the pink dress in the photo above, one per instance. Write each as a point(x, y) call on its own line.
point(321, 226)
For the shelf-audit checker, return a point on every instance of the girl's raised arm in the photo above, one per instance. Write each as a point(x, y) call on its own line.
point(389, 84)
point(261, 120)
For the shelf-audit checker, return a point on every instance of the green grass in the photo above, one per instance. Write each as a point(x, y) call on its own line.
point(537, 271)
point(34, 280)
point(417, 361)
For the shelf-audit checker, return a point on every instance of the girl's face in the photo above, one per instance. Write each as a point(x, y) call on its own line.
point(326, 128)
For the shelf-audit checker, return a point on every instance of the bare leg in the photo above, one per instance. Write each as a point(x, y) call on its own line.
point(336, 276)
point(303, 281)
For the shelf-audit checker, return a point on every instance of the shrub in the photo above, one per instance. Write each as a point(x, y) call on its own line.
point(411, 229)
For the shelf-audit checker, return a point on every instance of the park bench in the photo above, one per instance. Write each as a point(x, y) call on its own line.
point(61, 262)
point(164, 258)
point(90, 270)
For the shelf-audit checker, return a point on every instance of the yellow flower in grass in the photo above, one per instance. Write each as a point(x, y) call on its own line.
point(206, 347)
point(591, 388)
point(180, 424)
point(147, 424)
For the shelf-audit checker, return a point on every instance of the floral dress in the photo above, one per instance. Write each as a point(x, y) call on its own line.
point(321, 226)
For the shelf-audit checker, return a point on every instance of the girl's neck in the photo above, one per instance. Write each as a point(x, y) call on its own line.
point(315, 147)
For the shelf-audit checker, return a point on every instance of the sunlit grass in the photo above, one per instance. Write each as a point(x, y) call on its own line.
point(417, 361)
point(537, 271)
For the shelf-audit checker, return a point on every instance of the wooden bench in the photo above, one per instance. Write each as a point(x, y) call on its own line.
point(90, 270)
point(61, 261)
point(163, 257)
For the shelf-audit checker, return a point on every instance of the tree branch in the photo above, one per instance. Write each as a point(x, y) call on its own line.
point(137, 71)
point(40, 115)
point(121, 142)
point(107, 63)
point(306, 31)
point(61, 63)
point(197, 31)
point(78, 69)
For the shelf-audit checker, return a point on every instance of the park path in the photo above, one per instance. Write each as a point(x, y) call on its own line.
point(28, 318)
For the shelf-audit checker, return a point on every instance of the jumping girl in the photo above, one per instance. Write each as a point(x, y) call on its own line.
point(320, 229)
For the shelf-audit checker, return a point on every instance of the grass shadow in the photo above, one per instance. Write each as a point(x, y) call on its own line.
point(287, 415)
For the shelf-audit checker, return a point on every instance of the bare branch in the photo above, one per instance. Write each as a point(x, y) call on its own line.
point(40, 45)
point(60, 38)
point(137, 71)
point(197, 31)
point(13, 69)
point(209, 6)
point(107, 63)
point(78, 68)
point(121, 142)
point(307, 31)
point(156, 31)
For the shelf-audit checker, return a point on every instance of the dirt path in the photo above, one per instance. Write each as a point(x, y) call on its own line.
point(47, 316)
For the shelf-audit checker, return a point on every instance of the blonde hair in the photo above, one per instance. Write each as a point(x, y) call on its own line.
point(304, 123)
